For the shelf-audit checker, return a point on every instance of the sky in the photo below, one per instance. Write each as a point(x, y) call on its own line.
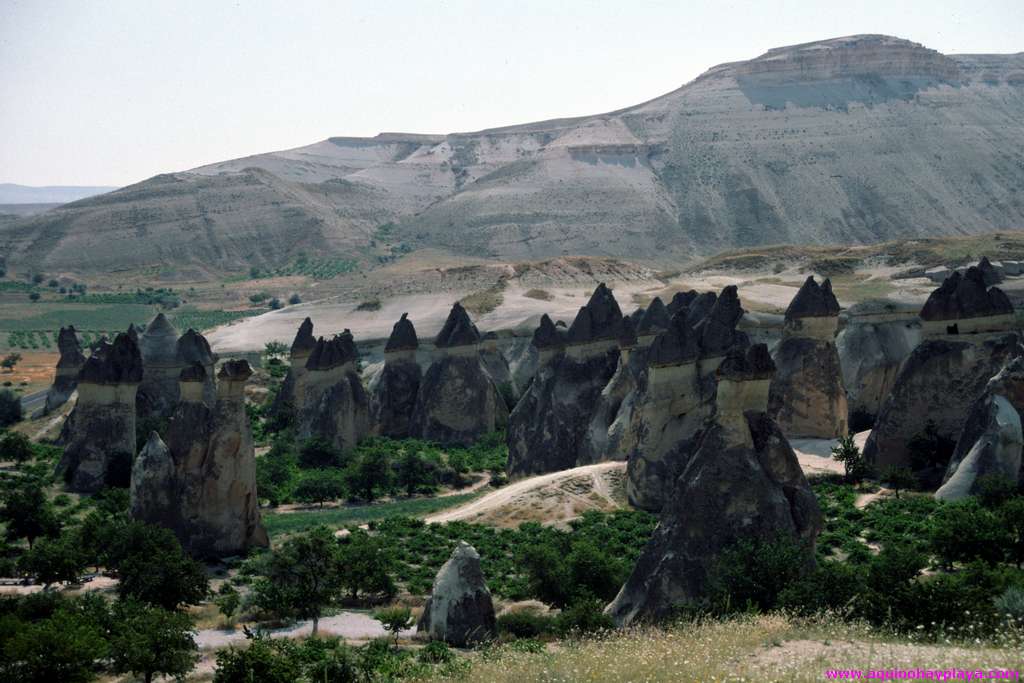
point(109, 92)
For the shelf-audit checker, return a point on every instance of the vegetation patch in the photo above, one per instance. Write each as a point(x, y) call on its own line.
point(538, 294)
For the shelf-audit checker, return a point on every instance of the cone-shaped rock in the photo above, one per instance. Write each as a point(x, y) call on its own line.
point(333, 404)
point(963, 304)
point(458, 330)
point(393, 392)
point(286, 404)
point(989, 274)
point(158, 392)
point(680, 300)
point(655, 318)
point(99, 434)
point(460, 611)
point(608, 436)
point(68, 366)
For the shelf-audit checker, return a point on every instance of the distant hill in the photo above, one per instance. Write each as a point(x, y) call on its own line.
point(51, 194)
point(851, 140)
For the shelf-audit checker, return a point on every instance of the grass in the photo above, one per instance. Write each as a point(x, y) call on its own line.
point(484, 301)
point(318, 269)
point(747, 648)
point(538, 294)
point(203, 320)
point(50, 317)
point(281, 523)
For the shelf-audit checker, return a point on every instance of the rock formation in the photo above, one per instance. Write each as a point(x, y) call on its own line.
point(459, 611)
point(99, 434)
point(393, 391)
point(68, 366)
point(158, 393)
point(655, 319)
point(676, 395)
point(742, 482)
point(967, 340)
point(458, 401)
point(285, 404)
point(808, 398)
point(498, 368)
point(547, 429)
point(330, 400)
point(194, 349)
point(989, 273)
point(991, 440)
point(608, 436)
point(202, 483)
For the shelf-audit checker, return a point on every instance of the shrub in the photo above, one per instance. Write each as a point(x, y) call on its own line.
point(526, 624)
point(584, 616)
point(831, 586)
point(10, 408)
point(854, 464)
point(318, 453)
point(964, 531)
point(265, 660)
point(294, 299)
point(994, 489)
point(752, 573)
point(899, 478)
point(435, 652)
point(1011, 603)
point(394, 619)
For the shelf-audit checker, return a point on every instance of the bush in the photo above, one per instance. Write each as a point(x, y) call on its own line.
point(994, 489)
point(1011, 603)
point(294, 299)
point(320, 486)
point(526, 624)
point(435, 652)
point(965, 531)
point(10, 408)
point(752, 573)
point(831, 586)
point(265, 660)
point(854, 464)
point(318, 453)
point(584, 616)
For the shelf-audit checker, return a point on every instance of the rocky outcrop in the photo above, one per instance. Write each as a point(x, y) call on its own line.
point(393, 391)
point(458, 401)
point(99, 434)
point(743, 481)
point(459, 611)
point(158, 393)
point(201, 484)
point(608, 436)
point(331, 402)
point(808, 398)
point(991, 441)
point(498, 368)
point(193, 349)
point(675, 396)
point(68, 366)
point(989, 273)
point(872, 345)
point(547, 429)
point(285, 403)
point(655, 319)
point(966, 342)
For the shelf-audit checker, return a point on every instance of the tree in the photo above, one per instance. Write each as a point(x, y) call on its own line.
point(964, 531)
point(275, 349)
point(320, 486)
point(16, 447)
point(899, 478)
point(228, 601)
point(65, 646)
point(368, 564)
point(275, 304)
point(274, 474)
point(153, 568)
point(411, 471)
point(1012, 514)
point(34, 296)
point(854, 464)
point(303, 576)
point(264, 661)
point(9, 361)
point(55, 559)
point(38, 278)
point(394, 620)
point(27, 513)
point(294, 299)
point(10, 408)
point(150, 641)
point(370, 472)
point(319, 453)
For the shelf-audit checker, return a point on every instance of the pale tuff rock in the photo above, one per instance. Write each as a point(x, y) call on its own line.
point(331, 402)
point(675, 397)
point(201, 484)
point(498, 367)
point(68, 366)
point(743, 481)
point(460, 610)
point(393, 391)
point(99, 435)
point(458, 401)
point(991, 440)
point(808, 398)
point(608, 436)
point(547, 429)
point(286, 403)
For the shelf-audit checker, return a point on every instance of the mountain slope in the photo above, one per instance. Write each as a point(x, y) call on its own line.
point(11, 193)
point(850, 140)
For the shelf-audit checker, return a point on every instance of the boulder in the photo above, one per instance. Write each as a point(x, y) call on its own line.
point(991, 440)
point(459, 611)
point(393, 391)
point(458, 401)
point(808, 398)
point(201, 484)
point(547, 429)
point(99, 434)
point(743, 481)
point(69, 364)
point(331, 401)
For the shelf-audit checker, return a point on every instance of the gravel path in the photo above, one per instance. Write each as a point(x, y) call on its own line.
point(348, 625)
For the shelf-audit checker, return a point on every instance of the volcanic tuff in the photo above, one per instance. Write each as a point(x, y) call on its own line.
point(810, 143)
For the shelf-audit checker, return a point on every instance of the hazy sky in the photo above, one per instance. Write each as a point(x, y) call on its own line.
point(112, 92)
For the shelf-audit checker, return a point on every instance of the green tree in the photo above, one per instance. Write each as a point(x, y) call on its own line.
point(275, 349)
point(899, 478)
point(26, 512)
point(16, 447)
point(303, 577)
point(319, 453)
point(65, 647)
point(1012, 514)
point(228, 601)
point(368, 564)
point(394, 619)
point(150, 641)
point(319, 486)
point(55, 559)
point(854, 464)
point(264, 661)
point(372, 471)
point(153, 568)
point(411, 471)
point(275, 473)
point(964, 531)
point(9, 361)
point(10, 408)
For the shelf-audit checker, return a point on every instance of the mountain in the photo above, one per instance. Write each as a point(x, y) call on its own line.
point(849, 140)
point(11, 193)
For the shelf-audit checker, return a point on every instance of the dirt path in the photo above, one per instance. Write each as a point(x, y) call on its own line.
point(348, 625)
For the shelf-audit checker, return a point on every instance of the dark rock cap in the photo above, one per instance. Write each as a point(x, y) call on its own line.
point(193, 348)
point(813, 301)
point(700, 307)
point(754, 363)
point(655, 318)
point(458, 330)
point(718, 330)
point(989, 272)
point(680, 300)
point(599, 319)
point(159, 343)
point(403, 335)
point(234, 371)
point(332, 353)
point(304, 339)
point(71, 355)
point(133, 332)
point(965, 296)
point(194, 372)
point(636, 316)
point(627, 333)
point(117, 363)
point(676, 345)
point(547, 335)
